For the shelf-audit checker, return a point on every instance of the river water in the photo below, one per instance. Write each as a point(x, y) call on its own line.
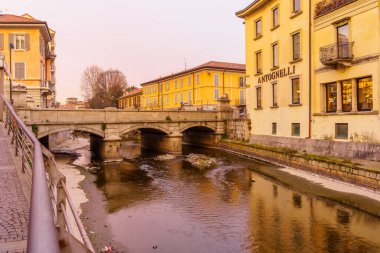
point(147, 205)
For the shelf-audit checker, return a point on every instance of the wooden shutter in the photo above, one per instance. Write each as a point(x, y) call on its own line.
point(11, 39)
point(27, 41)
point(20, 71)
point(1, 41)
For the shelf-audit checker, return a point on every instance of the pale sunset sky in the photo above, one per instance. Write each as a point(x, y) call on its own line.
point(144, 39)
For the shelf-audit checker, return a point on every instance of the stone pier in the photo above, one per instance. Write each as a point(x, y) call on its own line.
point(166, 143)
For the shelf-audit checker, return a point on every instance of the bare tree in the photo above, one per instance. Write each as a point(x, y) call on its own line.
point(89, 78)
point(109, 86)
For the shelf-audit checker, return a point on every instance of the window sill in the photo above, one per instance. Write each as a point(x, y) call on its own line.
point(275, 27)
point(258, 37)
point(259, 74)
point(258, 108)
point(274, 107)
point(346, 113)
point(295, 14)
point(295, 61)
point(295, 105)
point(275, 68)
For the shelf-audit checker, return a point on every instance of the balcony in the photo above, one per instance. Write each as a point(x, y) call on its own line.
point(337, 53)
point(240, 102)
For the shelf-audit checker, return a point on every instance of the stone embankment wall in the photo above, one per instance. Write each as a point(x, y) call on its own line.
point(334, 168)
point(239, 129)
point(359, 150)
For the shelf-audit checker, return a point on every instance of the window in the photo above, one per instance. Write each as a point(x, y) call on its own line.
point(296, 91)
point(274, 128)
point(216, 94)
point(176, 98)
point(342, 39)
point(20, 71)
point(275, 17)
point(296, 129)
point(198, 79)
point(167, 86)
point(167, 99)
point(296, 46)
point(331, 97)
point(216, 80)
point(241, 82)
point(346, 96)
point(258, 97)
point(275, 55)
point(274, 94)
point(365, 99)
point(258, 63)
point(175, 84)
point(341, 131)
point(296, 6)
point(20, 42)
point(154, 89)
point(181, 82)
point(189, 96)
point(242, 97)
point(258, 28)
point(181, 97)
point(160, 87)
point(189, 80)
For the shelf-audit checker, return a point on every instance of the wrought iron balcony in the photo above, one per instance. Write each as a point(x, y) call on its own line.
point(337, 53)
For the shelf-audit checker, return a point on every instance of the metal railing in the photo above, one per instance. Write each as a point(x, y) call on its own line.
point(49, 230)
point(336, 52)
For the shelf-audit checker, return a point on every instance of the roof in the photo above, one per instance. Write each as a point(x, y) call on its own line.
point(26, 19)
point(209, 65)
point(247, 10)
point(130, 94)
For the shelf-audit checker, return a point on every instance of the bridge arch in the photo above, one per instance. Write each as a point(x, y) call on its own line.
point(140, 127)
point(70, 128)
point(199, 127)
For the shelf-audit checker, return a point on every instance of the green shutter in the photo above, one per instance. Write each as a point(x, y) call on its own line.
point(1, 41)
point(11, 39)
point(27, 41)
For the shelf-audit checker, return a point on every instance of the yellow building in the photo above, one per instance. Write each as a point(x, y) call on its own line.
point(199, 87)
point(131, 100)
point(278, 66)
point(29, 49)
point(346, 91)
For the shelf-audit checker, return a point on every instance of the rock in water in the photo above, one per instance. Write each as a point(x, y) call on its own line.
point(201, 161)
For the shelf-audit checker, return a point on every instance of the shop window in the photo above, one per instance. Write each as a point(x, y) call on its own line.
point(341, 131)
point(274, 128)
point(258, 97)
point(346, 96)
point(296, 91)
point(274, 94)
point(331, 97)
point(365, 99)
point(296, 129)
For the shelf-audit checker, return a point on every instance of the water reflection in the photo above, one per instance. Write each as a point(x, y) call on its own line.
point(183, 209)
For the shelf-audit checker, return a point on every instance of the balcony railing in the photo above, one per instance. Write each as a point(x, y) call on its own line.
point(337, 53)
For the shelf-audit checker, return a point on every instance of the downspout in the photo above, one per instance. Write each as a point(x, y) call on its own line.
point(193, 88)
point(223, 84)
point(310, 70)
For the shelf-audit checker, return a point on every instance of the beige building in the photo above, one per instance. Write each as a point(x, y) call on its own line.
point(325, 87)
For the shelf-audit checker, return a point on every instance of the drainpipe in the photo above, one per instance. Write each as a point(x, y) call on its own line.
point(310, 70)
point(223, 84)
point(194, 88)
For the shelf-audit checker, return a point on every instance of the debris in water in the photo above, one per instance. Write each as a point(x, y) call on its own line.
point(166, 157)
point(201, 161)
point(106, 249)
point(155, 246)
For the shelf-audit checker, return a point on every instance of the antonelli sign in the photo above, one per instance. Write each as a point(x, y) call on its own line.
point(277, 74)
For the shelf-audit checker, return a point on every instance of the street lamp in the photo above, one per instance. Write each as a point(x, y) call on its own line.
point(11, 46)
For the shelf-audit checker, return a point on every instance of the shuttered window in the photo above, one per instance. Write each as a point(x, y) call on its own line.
point(1, 41)
point(296, 46)
point(20, 71)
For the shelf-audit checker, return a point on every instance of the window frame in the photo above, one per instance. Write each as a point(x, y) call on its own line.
point(299, 46)
point(292, 90)
point(15, 41)
point(293, 132)
point(216, 93)
point(358, 94)
point(275, 10)
point(345, 137)
point(294, 6)
point(16, 69)
point(216, 80)
point(257, 34)
point(275, 55)
point(274, 94)
point(274, 128)
point(327, 97)
point(259, 101)
point(259, 70)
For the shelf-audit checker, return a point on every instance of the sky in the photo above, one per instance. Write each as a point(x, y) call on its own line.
point(144, 39)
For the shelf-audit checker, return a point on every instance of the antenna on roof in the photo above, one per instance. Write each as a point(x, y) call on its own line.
point(185, 64)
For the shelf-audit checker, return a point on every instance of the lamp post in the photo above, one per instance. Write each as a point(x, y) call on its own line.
point(11, 46)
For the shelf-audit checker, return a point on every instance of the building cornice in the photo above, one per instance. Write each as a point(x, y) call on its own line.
point(254, 6)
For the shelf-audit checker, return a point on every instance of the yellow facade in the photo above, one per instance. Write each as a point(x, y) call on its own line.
point(277, 74)
point(31, 60)
point(346, 49)
point(199, 87)
point(131, 100)
point(337, 69)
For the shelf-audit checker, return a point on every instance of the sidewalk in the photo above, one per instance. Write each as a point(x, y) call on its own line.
point(14, 209)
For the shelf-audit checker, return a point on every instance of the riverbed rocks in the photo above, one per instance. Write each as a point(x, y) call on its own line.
point(201, 161)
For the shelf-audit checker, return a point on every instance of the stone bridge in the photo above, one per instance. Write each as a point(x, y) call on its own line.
point(160, 130)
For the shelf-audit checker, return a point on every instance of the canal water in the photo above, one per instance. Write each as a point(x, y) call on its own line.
point(144, 205)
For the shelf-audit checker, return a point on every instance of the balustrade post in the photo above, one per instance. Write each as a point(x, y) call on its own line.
point(61, 198)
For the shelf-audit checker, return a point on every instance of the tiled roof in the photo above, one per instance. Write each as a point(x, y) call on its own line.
point(134, 92)
point(208, 65)
point(13, 19)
